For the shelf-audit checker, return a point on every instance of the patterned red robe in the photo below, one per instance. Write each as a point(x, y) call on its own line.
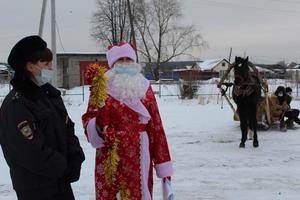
point(139, 147)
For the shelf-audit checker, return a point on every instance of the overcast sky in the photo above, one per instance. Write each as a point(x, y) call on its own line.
point(266, 30)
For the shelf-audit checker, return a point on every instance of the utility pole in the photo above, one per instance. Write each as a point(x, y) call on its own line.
point(53, 42)
point(230, 52)
point(41, 28)
point(229, 76)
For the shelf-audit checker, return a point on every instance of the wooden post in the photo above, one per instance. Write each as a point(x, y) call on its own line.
point(236, 115)
point(297, 80)
point(266, 90)
point(159, 88)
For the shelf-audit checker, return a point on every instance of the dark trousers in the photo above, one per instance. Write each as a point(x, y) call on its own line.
point(67, 194)
point(293, 115)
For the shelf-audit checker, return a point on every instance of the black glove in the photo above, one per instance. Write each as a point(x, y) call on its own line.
point(74, 166)
point(73, 173)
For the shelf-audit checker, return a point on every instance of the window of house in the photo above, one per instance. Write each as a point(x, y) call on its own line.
point(223, 64)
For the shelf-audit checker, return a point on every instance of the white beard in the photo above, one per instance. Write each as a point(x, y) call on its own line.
point(129, 88)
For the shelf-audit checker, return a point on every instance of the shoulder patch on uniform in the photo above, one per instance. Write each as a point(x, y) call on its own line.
point(26, 130)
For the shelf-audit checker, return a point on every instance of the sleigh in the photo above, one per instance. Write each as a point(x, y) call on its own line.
point(263, 114)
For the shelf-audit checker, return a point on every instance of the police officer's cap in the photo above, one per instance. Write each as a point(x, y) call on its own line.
point(24, 51)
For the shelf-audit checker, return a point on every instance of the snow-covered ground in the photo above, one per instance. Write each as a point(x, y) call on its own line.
point(208, 164)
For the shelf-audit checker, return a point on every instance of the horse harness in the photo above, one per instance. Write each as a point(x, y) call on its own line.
point(246, 88)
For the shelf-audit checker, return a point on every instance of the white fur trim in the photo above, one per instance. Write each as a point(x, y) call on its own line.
point(145, 165)
point(117, 52)
point(164, 169)
point(94, 139)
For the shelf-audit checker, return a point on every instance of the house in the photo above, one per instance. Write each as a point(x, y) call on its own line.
point(193, 74)
point(297, 67)
point(293, 65)
point(71, 67)
point(5, 73)
point(167, 70)
point(264, 72)
point(215, 65)
point(204, 70)
point(293, 73)
point(278, 69)
point(3, 69)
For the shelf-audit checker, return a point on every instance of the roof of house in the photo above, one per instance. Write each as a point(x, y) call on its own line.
point(3, 67)
point(272, 66)
point(292, 70)
point(209, 64)
point(173, 64)
point(262, 69)
point(297, 66)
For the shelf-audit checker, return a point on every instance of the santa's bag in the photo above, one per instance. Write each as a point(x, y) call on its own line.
point(167, 190)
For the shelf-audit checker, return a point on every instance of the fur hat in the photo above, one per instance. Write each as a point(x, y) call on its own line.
point(288, 89)
point(24, 51)
point(280, 89)
point(120, 51)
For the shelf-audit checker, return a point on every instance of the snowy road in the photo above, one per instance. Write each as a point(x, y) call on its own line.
point(207, 161)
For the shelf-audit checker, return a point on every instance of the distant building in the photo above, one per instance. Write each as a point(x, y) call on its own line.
point(278, 69)
point(215, 65)
point(264, 72)
point(3, 69)
point(192, 74)
point(167, 70)
point(293, 73)
point(5, 73)
point(297, 66)
point(71, 67)
point(204, 70)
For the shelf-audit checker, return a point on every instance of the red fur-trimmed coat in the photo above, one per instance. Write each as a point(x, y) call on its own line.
point(140, 146)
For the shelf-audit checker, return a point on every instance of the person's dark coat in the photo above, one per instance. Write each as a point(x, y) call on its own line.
point(38, 142)
point(288, 100)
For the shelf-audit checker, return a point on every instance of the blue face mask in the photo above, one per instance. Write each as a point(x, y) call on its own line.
point(129, 69)
point(44, 77)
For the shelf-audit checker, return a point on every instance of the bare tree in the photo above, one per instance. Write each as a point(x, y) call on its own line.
point(132, 31)
point(161, 37)
point(110, 22)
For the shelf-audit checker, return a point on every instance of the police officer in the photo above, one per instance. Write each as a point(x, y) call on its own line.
point(36, 134)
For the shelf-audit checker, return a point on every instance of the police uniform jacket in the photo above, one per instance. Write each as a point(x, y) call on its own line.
point(38, 141)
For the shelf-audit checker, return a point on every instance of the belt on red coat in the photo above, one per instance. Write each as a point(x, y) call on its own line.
point(141, 127)
point(136, 127)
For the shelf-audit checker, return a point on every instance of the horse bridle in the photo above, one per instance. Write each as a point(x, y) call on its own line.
point(231, 66)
